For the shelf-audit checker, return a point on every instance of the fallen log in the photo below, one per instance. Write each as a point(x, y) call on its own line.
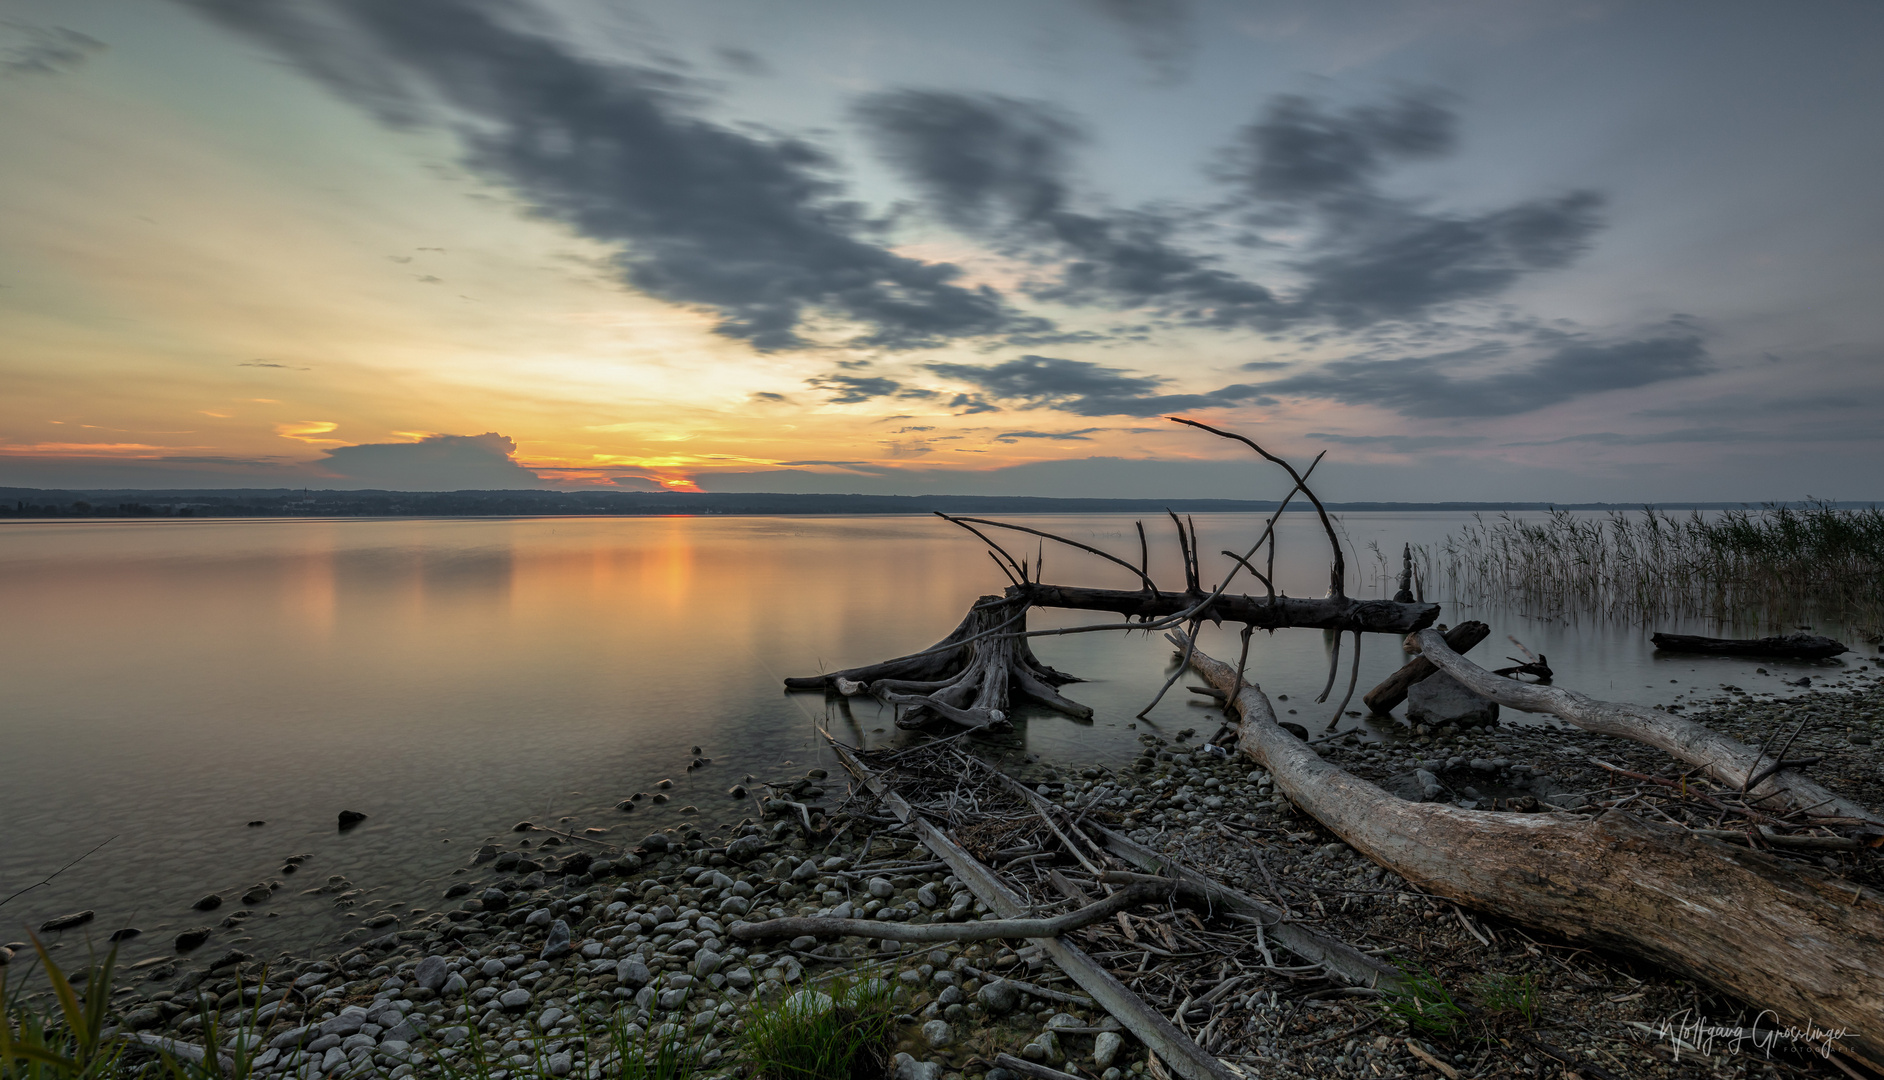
point(1793, 646)
point(1382, 699)
point(1722, 757)
point(1803, 943)
point(823, 926)
point(1179, 1051)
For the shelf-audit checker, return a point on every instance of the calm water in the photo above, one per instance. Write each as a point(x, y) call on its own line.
point(165, 683)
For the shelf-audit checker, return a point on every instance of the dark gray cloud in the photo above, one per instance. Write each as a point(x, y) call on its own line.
point(1398, 444)
point(270, 364)
point(1299, 153)
point(26, 49)
point(748, 225)
point(744, 61)
point(1423, 386)
point(851, 389)
point(1001, 168)
point(1266, 365)
point(1086, 389)
point(767, 395)
point(1082, 435)
point(434, 463)
point(1160, 31)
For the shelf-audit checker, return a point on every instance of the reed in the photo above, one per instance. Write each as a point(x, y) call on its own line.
point(1776, 565)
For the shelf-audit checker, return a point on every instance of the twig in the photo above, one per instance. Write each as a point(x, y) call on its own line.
point(56, 873)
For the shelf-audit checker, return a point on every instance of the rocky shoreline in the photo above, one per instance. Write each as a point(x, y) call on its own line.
point(545, 938)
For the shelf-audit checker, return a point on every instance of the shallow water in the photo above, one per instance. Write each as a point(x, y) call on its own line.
point(163, 684)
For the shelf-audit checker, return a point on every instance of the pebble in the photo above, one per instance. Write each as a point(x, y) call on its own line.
point(1105, 1048)
point(514, 1000)
point(938, 1034)
point(999, 997)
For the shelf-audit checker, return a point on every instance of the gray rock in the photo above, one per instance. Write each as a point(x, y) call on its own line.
point(655, 842)
point(805, 872)
point(739, 978)
point(928, 897)
point(1062, 1021)
point(561, 1062)
point(1431, 790)
point(454, 1035)
point(294, 1036)
point(1105, 1049)
point(938, 1034)
point(349, 1022)
point(540, 917)
point(744, 848)
point(558, 944)
point(1441, 699)
point(632, 973)
point(454, 987)
point(999, 997)
point(904, 1067)
point(431, 973)
point(514, 1000)
point(1045, 1049)
point(706, 962)
point(323, 1044)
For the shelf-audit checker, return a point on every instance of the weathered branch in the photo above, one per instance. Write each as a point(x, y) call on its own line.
point(1393, 689)
point(1724, 758)
point(1790, 938)
point(1321, 613)
point(821, 926)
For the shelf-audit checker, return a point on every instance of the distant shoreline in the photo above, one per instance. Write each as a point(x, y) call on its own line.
point(40, 503)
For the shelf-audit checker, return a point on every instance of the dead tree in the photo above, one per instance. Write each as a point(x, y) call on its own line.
point(1794, 939)
point(971, 676)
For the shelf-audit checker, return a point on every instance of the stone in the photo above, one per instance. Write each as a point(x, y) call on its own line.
point(745, 848)
point(347, 1024)
point(1045, 1049)
point(514, 1000)
point(431, 973)
point(292, 1037)
point(655, 842)
point(904, 1067)
point(193, 938)
point(999, 997)
point(938, 1034)
point(804, 872)
point(257, 893)
point(1441, 699)
point(632, 973)
point(208, 903)
point(881, 888)
point(539, 917)
point(1105, 1048)
point(350, 818)
point(1062, 1021)
point(706, 962)
point(66, 922)
point(495, 900)
point(561, 1062)
point(740, 978)
point(558, 944)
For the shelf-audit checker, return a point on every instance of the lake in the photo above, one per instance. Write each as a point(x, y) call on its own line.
point(165, 683)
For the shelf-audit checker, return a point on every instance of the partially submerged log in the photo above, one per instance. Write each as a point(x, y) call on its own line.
point(1722, 757)
point(1792, 646)
point(824, 926)
point(1803, 943)
point(1382, 699)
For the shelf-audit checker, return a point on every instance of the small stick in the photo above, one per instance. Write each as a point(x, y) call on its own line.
point(1029, 988)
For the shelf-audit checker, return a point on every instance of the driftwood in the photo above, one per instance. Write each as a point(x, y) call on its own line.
point(1793, 646)
point(1722, 757)
point(967, 678)
point(820, 926)
point(1028, 1068)
point(1392, 690)
point(1178, 1050)
point(1803, 943)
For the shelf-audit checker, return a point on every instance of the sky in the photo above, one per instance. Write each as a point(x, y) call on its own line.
point(1470, 249)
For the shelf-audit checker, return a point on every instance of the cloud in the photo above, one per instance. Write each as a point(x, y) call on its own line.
point(1299, 153)
point(270, 364)
point(1398, 444)
point(1375, 258)
point(1266, 365)
point(436, 463)
point(26, 49)
point(1082, 435)
point(1000, 168)
point(853, 389)
point(1160, 31)
point(1420, 386)
point(745, 224)
point(1087, 389)
point(743, 61)
point(767, 395)
point(308, 431)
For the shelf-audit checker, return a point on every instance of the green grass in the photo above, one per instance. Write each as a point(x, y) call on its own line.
point(1777, 565)
point(1424, 1005)
point(839, 1031)
point(1508, 996)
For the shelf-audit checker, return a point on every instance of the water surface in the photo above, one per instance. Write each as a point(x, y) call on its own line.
point(166, 683)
